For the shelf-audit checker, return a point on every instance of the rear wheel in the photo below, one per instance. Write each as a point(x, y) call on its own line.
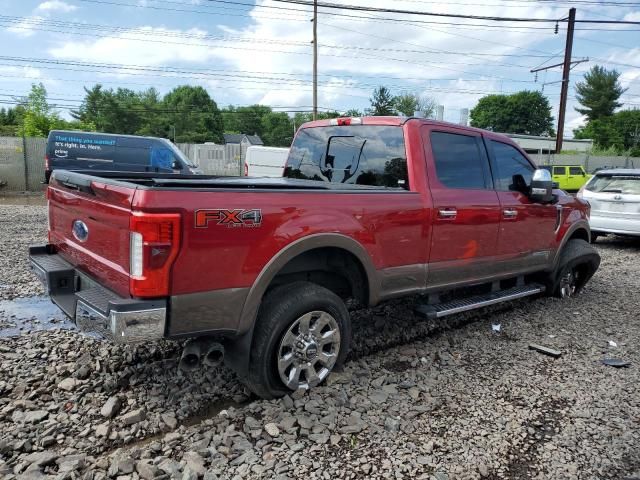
point(302, 332)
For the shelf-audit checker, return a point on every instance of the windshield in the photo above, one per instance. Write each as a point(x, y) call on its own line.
point(615, 184)
point(356, 154)
point(178, 153)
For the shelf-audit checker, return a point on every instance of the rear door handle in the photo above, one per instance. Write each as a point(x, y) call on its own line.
point(447, 213)
point(510, 213)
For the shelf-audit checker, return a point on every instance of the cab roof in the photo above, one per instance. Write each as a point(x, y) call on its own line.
point(400, 120)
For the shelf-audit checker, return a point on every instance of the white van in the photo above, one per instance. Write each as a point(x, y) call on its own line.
point(265, 161)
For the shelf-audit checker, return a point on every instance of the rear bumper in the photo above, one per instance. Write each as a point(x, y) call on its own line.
point(606, 224)
point(94, 308)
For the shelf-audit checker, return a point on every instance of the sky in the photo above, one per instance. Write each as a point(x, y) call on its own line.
point(260, 51)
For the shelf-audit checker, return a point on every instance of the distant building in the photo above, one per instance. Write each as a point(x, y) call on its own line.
point(242, 139)
point(546, 145)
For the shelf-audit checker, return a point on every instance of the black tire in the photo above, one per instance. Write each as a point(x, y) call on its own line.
point(281, 309)
point(577, 263)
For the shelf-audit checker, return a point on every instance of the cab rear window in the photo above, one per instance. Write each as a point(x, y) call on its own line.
point(356, 154)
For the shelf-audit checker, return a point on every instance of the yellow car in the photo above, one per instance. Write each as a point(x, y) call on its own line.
point(569, 178)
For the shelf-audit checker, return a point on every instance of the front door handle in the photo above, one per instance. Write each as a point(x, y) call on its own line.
point(447, 213)
point(510, 213)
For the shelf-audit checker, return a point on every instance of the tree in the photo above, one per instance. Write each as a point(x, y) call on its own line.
point(277, 129)
point(39, 117)
point(192, 115)
point(426, 106)
point(353, 112)
point(245, 119)
point(382, 102)
point(617, 132)
point(406, 104)
point(525, 112)
point(410, 103)
point(599, 93)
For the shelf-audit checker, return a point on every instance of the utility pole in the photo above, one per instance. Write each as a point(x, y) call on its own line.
point(566, 70)
point(315, 59)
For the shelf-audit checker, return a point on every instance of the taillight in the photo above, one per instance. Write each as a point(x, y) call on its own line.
point(46, 162)
point(154, 243)
point(246, 169)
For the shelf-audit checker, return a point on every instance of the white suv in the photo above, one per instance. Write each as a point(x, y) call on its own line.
point(614, 196)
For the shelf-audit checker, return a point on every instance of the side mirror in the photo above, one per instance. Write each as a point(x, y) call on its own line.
point(541, 190)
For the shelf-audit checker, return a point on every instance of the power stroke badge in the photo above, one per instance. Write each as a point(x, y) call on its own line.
point(236, 218)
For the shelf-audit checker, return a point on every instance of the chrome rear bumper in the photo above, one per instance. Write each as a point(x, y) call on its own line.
point(95, 308)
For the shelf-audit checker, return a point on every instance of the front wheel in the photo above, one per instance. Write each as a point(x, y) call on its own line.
point(303, 331)
point(577, 263)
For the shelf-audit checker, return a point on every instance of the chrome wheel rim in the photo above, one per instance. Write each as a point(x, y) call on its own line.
point(308, 350)
point(568, 283)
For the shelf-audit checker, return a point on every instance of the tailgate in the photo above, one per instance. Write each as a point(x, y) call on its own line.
point(89, 227)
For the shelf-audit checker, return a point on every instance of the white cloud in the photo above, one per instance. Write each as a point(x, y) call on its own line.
point(56, 6)
point(26, 27)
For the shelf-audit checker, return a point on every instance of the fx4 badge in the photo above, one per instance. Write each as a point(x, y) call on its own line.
point(229, 218)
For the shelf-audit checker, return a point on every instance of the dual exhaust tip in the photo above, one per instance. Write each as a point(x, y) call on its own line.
point(201, 352)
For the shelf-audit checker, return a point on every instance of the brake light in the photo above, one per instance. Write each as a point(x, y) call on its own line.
point(345, 121)
point(46, 162)
point(154, 244)
point(246, 169)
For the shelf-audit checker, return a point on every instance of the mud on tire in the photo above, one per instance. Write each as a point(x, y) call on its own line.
point(302, 333)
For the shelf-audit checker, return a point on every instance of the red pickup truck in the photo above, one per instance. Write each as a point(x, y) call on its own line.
point(259, 269)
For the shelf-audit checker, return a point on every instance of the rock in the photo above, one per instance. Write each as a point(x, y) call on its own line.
point(35, 416)
point(134, 416)
point(41, 459)
point(71, 463)
point(68, 384)
point(272, 429)
point(170, 467)
point(111, 407)
point(483, 470)
point(103, 430)
point(47, 441)
point(189, 474)
point(378, 397)
point(391, 424)
point(169, 420)
point(122, 465)
point(147, 470)
point(82, 373)
point(194, 462)
point(252, 423)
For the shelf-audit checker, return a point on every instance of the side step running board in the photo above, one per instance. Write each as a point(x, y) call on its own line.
point(456, 306)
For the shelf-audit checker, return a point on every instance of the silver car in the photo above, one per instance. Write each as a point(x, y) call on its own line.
point(614, 196)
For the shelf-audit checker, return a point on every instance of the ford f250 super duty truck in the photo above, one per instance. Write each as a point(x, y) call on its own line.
point(259, 270)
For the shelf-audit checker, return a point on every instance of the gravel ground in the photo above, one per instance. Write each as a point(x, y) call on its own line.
point(445, 400)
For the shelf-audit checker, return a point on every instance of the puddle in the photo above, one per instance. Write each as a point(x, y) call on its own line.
point(23, 200)
point(30, 314)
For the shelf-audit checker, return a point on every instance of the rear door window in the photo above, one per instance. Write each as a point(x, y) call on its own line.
point(355, 154)
point(575, 171)
point(460, 160)
point(508, 163)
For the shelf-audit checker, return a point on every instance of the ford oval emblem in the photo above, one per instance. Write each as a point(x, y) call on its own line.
point(80, 230)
